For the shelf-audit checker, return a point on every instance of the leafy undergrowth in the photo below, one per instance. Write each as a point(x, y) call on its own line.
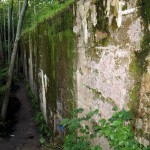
point(13, 106)
point(43, 129)
point(82, 129)
point(117, 130)
point(43, 13)
point(46, 139)
point(3, 75)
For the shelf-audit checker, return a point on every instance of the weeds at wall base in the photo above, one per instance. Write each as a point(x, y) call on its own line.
point(38, 117)
point(117, 130)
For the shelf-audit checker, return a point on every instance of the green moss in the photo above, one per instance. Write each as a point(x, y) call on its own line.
point(102, 21)
point(114, 23)
point(99, 95)
point(144, 10)
point(137, 68)
point(101, 30)
point(105, 41)
point(94, 53)
point(124, 7)
point(139, 63)
point(134, 67)
point(140, 133)
point(46, 14)
point(112, 9)
point(135, 99)
point(53, 42)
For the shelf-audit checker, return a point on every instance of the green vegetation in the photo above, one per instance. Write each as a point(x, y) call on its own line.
point(43, 128)
point(102, 22)
point(117, 130)
point(39, 118)
point(44, 12)
point(136, 73)
point(99, 95)
point(3, 75)
point(139, 63)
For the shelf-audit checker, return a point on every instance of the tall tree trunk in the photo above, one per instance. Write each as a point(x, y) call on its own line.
point(12, 62)
point(1, 52)
point(10, 8)
point(17, 57)
point(4, 33)
point(13, 27)
point(1, 44)
point(34, 10)
point(9, 30)
point(19, 7)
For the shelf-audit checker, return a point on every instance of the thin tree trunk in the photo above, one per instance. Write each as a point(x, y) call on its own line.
point(4, 33)
point(1, 44)
point(19, 7)
point(9, 26)
point(13, 56)
point(17, 60)
point(13, 27)
point(10, 9)
point(34, 10)
point(1, 51)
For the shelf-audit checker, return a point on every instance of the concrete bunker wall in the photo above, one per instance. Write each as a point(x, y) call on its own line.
point(90, 56)
point(49, 63)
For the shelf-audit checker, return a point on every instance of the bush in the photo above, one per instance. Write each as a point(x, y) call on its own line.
point(117, 130)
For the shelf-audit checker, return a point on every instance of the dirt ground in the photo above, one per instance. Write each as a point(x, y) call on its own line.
point(25, 135)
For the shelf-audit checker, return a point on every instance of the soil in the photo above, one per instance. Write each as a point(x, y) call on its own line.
point(25, 135)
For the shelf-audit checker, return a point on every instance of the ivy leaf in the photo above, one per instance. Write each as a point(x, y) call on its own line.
point(111, 136)
point(65, 122)
point(103, 122)
point(82, 130)
point(76, 111)
point(42, 140)
point(115, 108)
point(127, 116)
point(97, 128)
point(86, 127)
point(92, 136)
point(117, 123)
point(107, 132)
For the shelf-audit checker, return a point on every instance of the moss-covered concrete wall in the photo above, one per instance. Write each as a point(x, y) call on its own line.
point(91, 56)
point(49, 57)
point(112, 64)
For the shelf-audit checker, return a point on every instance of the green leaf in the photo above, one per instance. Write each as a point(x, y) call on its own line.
point(92, 136)
point(117, 123)
point(107, 132)
point(103, 122)
point(82, 130)
point(76, 111)
point(42, 140)
point(97, 128)
point(65, 122)
point(115, 108)
point(87, 127)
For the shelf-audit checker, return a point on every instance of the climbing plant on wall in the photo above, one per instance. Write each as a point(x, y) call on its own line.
point(117, 130)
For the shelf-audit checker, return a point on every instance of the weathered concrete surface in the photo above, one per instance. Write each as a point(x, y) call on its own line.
point(91, 53)
point(143, 117)
point(49, 63)
point(104, 71)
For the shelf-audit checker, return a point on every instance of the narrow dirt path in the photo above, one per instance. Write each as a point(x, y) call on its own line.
point(25, 136)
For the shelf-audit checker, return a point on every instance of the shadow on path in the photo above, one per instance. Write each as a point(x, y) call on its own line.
point(25, 135)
